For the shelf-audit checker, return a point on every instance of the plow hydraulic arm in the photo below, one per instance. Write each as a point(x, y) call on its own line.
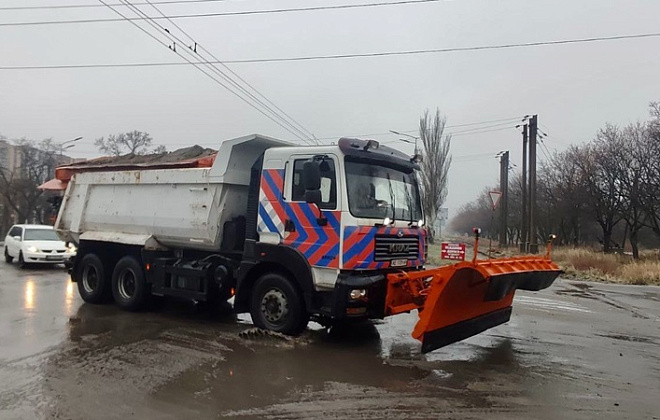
point(461, 300)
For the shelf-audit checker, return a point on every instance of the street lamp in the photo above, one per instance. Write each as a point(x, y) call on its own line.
point(62, 148)
point(407, 135)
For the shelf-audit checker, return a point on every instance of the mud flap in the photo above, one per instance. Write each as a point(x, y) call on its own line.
point(465, 299)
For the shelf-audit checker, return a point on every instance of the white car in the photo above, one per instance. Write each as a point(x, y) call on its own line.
point(37, 244)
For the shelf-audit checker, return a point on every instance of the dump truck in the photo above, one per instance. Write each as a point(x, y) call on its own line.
point(329, 233)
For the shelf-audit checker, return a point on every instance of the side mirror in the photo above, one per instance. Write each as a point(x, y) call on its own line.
point(312, 181)
point(311, 176)
point(18, 238)
point(313, 196)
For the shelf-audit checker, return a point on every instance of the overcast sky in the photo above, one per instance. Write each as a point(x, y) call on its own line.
point(575, 89)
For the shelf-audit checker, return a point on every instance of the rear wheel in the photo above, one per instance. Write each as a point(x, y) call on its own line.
point(21, 260)
point(93, 285)
point(8, 258)
point(129, 286)
point(277, 305)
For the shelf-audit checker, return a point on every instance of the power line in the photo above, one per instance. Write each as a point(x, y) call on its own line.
point(415, 130)
point(223, 14)
point(277, 118)
point(482, 128)
point(345, 56)
point(87, 6)
point(204, 71)
point(482, 132)
point(281, 115)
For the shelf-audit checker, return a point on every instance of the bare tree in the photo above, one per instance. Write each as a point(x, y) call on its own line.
point(435, 165)
point(563, 193)
point(599, 165)
point(134, 142)
point(477, 213)
point(35, 164)
point(632, 157)
point(650, 170)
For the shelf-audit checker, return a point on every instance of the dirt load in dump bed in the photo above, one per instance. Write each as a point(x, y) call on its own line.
point(179, 155)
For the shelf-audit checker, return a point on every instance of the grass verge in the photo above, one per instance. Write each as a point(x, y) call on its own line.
point(585, 264)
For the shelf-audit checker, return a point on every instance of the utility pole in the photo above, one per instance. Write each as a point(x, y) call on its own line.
point(533, 135)
point(524, 238)
point(504, 187)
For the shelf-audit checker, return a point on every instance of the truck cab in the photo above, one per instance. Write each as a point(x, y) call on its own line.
point(345, 214)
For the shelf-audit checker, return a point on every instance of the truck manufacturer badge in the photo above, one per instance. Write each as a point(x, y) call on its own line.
point(399, 234)
point(399, 248)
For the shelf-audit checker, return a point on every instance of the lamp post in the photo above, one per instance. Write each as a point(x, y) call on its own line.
point(61, 145)
point(407, 135)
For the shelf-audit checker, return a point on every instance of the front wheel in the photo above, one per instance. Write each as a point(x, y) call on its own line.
point(129, 286)
point(277, 305)
point(8, 258)
point(21, 260)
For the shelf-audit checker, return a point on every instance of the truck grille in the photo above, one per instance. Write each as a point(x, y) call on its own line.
point(392, 247)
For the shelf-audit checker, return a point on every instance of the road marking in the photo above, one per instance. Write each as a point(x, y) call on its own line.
point(545, 303)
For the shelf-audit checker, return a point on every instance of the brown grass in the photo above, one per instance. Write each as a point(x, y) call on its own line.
point(583, 263)
point(587, 264)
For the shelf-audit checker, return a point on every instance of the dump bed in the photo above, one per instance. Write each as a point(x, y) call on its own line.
point(166, 206)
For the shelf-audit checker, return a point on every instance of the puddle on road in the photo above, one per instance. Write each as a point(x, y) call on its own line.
point(199, 362)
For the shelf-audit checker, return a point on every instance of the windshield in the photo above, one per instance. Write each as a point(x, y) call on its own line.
point(376, 191)
point(40, 235)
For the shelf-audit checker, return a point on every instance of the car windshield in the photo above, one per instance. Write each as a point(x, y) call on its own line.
point(376, 191)
point(40, 235)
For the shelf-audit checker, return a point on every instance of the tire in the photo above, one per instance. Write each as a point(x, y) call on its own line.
point(129, 285)
point(277, 305)
point(93, 284)
point(8, 258)
point(21, 260)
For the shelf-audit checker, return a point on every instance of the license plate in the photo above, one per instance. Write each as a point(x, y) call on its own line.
point(53, 257)
point(399, 263)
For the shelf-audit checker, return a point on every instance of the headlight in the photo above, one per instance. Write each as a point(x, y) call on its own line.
point(358, 294)
point(387, 221)
point(71, 248)
point(32, 249)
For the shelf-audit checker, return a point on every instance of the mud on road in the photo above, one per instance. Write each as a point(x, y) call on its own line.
point(576, 350)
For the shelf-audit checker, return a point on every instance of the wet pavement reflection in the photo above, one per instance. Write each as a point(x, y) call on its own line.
point(577, 350)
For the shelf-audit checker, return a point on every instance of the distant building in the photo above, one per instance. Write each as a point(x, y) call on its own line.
point(13, 171)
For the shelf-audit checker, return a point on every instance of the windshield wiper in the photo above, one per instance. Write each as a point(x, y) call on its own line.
point(392, 198)
point(408, 200)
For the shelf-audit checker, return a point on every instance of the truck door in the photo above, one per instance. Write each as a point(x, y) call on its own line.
point(284, 212)
point(305, 228)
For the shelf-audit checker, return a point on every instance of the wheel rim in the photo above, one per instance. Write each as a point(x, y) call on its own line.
point(274, 306)
point(126, 284)
point(90, 279)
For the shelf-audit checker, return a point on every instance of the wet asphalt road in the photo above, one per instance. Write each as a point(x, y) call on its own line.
point(576, 350)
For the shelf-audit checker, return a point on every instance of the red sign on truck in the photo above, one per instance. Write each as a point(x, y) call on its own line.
point(453, 251)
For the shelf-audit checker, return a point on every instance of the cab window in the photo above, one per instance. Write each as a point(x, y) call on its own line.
point(16, 231)
point(328, 183)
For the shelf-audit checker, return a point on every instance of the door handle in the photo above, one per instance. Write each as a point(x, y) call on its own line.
point(289, 226)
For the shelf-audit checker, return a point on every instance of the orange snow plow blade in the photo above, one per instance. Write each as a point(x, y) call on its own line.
point(461, 300)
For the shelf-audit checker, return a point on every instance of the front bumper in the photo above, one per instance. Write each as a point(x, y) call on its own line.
point(48, 257)
point(341, 306)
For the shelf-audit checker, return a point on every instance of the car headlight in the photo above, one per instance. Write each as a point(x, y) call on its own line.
point(71, 248)
point(32, 249)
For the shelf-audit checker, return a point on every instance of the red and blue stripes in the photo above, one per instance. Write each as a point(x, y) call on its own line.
point(319, 244)
point(359, 242)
